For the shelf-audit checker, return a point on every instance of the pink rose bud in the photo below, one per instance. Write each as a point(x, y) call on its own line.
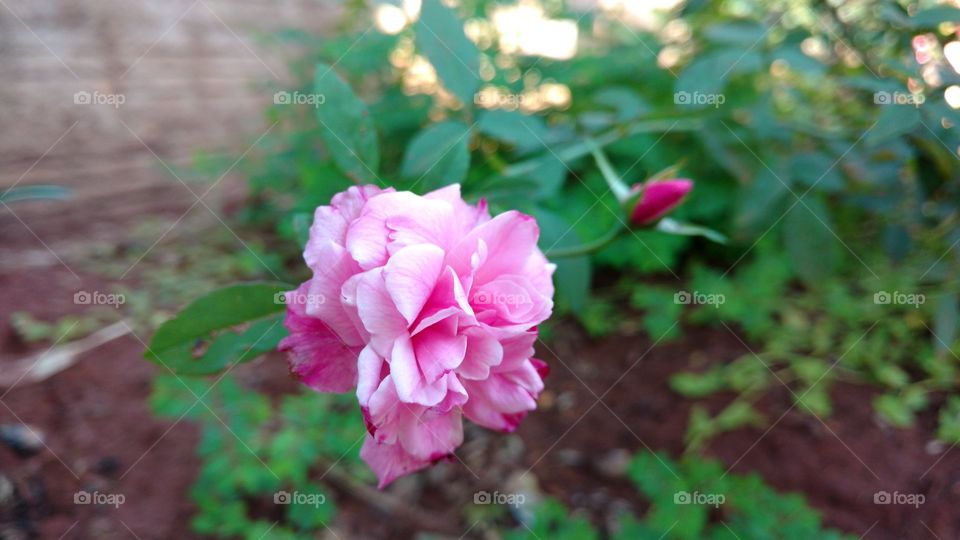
point(659, 198)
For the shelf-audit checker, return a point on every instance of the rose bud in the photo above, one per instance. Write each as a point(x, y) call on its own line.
point(658, 198)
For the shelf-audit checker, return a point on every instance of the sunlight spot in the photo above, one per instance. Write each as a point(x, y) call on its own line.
point(390, 19)
point(952, 95)
point(524, 29)
point(952, 52)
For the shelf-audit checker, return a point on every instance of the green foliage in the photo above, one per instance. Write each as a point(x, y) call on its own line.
point(732, 506)
point(251, 451)
point(552, 520)
point(690, 499)
point(441, 37)
point(871, 330)
point(176, 342)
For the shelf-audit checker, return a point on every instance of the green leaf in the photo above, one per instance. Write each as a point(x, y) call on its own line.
point(894, 121)
point(573, 274)
point(894, 410)
point(259, 338)
point(23, 193)
point(546, 172)
point(934, 16)
point(300, 223)
point(698, 384)
point(441, 39)
point(626, 102)
point(945, 323)
point(949, 430)
point(346, 127)
point(743, 33)
point(174, 342)
point(438, 156)
point(672, 226)
point(811, 245)
point(761, 202)
point(523, 131)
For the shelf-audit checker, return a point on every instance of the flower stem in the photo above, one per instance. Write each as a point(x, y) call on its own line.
point(590, 247)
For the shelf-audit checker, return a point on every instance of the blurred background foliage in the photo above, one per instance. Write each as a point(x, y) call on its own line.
point(821, 137)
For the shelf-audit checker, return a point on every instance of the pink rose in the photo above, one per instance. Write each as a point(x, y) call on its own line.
point(429, 307)
point(659, 198)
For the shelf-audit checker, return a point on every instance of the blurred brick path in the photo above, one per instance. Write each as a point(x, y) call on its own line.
point(193, 74)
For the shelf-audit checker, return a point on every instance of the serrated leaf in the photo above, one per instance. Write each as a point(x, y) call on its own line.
point(438, 156)
point(346, 127)
point(523, 131)
point(441, 39)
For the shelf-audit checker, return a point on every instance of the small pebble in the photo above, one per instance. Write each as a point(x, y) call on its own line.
point(569, 457)
point(935, 447)
point(22, 439)
point(614, 463)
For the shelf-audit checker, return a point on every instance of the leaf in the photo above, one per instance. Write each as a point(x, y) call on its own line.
point(438, 156)
point(934, 16)
point(672, 226)
point(761, 202)
point(300, 223)
point(894, 121)
point(894, 410)
point(737, 32)
point(573, 274)
point(811, 245)
point(546, 171)
point(945, 322)
point(816, 170)
point(174, 342)
point(259, 338)
point(698, 384)
point(23, 193)
point(523, 131)
point(627, 103)
point(707, 75)
point(346, 127)
point(949, 430)
point(441, 39)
